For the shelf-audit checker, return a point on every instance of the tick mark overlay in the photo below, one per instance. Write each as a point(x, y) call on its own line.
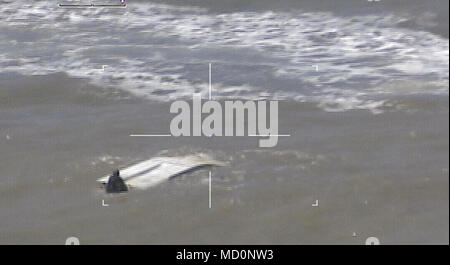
point(210, 189)
point(91, 5)
point(372, 241)
point(72, 241)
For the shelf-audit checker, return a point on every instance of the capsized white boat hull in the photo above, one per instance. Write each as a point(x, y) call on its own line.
point(151, 172)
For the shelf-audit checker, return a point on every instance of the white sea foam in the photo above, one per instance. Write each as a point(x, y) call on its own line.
point(161, 52)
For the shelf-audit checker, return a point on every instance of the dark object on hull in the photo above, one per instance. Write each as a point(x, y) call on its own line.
point(116, 184)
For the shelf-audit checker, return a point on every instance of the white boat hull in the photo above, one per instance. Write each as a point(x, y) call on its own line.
point(151, 172)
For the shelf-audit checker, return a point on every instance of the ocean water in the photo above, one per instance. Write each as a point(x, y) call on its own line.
point(363, 90)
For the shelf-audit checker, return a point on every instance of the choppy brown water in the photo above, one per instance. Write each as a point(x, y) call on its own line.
point(383, 175)
point(364, 95)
